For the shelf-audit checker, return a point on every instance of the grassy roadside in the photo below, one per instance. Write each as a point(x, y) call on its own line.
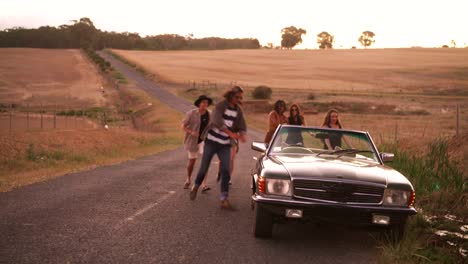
point(437, 234)
point(35, 156)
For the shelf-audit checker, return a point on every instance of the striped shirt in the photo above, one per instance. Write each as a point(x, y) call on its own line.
point(216, 135)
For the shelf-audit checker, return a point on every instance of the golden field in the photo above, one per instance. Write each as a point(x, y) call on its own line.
point(404, 96)
point(49, 76)
point(407, 70)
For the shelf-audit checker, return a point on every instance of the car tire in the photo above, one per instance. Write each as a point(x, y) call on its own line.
point(263, 225)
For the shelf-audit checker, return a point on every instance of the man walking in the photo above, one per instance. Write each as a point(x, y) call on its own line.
point(218, 139)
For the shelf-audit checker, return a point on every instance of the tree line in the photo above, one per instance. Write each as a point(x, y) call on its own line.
point(83, 34)
point(292, 36)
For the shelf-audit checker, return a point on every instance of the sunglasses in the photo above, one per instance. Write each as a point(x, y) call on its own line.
point(293, 109)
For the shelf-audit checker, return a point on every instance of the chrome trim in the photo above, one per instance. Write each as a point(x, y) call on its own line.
point(367, 194)
point(305, 189)
point(290, 202)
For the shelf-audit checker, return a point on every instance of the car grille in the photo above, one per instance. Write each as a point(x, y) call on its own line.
point(340, 192)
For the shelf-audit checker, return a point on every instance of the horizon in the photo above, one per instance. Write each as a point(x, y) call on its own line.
point(431, 23)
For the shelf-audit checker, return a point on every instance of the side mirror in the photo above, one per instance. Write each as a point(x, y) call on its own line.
point(259, 146)
point(387, 157)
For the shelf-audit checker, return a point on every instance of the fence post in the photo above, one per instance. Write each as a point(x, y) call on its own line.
point(55, 117)
point(458, 119)
point(42, 120)
point(396, 134)
point(11, 116)
point(27, 116)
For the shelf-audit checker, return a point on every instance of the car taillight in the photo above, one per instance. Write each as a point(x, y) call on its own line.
point(261, 184)
point(411, 199)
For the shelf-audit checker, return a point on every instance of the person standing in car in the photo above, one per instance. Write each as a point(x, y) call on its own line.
point(295, 118)
point(275, 118)
point(333, 141)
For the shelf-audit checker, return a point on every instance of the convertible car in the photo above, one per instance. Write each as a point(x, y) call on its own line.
point(332, 175)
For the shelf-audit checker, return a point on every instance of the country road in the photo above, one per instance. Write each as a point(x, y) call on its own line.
point(138, 212)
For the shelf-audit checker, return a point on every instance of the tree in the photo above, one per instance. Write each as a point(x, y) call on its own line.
point(291, 36)
point(83, 33)
point(325, 40)
point(367, 38)
point(453, 43)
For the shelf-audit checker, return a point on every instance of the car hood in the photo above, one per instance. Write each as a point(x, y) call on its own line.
point(306, 167)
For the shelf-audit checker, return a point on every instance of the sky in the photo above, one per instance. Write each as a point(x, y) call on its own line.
point(396, 23)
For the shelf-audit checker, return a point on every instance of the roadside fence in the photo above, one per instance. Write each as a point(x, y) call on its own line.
point(15, 117)
point(210, 84)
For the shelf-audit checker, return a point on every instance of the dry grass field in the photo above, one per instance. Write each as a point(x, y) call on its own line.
point(48, 76)
point(66, 79)
point(408, 96)
point(407, 70)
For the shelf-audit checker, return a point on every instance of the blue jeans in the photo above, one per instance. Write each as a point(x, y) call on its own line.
point(224, 155)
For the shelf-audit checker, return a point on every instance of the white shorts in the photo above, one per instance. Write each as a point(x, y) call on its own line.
point(194, 155)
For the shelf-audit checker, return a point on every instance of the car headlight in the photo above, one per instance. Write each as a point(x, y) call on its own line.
point(396, 197)
point(278, 187)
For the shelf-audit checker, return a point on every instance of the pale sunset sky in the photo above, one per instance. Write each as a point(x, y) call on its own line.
point(396, 23)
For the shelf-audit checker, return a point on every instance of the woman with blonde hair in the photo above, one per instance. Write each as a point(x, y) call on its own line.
point(332, 120)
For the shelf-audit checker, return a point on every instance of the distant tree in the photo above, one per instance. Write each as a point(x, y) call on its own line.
point(367, 38)
point(445, 46)
point(83, 33)
point(325, 40)
point(454, 45)
point(291, 36)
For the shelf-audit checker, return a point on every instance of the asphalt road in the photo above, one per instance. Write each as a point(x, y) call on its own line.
point(138, 212)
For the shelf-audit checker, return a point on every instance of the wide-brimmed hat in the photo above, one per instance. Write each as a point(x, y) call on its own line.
point(201, 98)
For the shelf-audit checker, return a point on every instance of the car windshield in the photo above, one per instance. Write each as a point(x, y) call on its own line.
point(329, 143)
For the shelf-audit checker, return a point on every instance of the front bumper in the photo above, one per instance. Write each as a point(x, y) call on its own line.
point(330, 212)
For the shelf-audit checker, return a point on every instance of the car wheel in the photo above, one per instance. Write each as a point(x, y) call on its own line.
point(263, 225)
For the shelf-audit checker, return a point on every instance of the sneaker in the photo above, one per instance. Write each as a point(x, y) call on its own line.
point(193, 192)
point(225, 204)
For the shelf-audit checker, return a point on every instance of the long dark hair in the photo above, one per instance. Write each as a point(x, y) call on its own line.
point(278, 104)
point(232, 91)
point(300, 118)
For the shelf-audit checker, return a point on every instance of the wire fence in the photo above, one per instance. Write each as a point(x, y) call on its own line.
point(15, 117)
point(211, 84)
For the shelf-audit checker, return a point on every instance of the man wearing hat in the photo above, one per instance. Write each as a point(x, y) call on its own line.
point(194, 123)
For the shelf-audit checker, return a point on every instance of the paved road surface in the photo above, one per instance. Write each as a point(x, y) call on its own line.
point(138, 212)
